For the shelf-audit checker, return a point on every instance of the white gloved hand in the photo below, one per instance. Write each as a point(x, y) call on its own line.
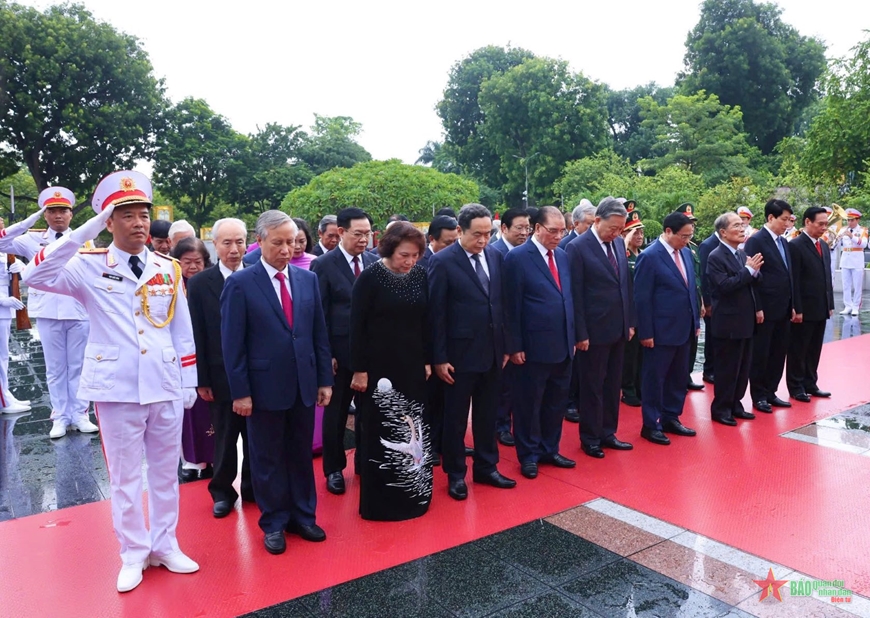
point(10, 302)
point(188, 397)
point(30, 221)
point(15, 267)
point(91, 228)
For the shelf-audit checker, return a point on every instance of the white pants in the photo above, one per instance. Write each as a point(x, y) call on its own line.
point(63, 345)
point(128, 430)
point(853, 286)
point(5, 330)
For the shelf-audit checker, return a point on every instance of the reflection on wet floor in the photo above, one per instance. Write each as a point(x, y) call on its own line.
point(38, 474)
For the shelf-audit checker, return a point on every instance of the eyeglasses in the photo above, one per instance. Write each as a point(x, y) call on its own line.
point(522, 228)
point(361, 235)
point(554, 230)
point(685, 236)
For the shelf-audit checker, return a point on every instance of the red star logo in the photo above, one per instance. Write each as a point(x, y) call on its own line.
point(771, 585)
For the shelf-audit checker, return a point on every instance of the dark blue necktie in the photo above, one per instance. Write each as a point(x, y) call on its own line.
point(134, 266)
point(481, 274)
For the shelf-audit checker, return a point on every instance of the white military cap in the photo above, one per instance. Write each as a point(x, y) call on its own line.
point(122, 188)
point(56, 197)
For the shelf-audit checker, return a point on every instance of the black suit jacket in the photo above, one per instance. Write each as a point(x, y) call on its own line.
point(466, 321)
point(704, 251)
point(204, 299)
point(774, 293)
point(424, 261)
point(563, 244)
point(317, 250)
point(603, 302)
point(813, 289)
point(732, 290)
point(336, 281)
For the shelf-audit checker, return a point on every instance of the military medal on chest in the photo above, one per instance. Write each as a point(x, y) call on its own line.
point(161, 284)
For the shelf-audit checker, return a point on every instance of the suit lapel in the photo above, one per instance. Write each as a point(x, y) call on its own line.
point(262, 279)
point(598, 250)
point(216, 281)
point(342, 264)
point(541, 262)
point(465, 265)
point(668, 257)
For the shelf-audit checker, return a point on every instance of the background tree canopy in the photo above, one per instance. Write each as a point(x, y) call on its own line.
point(381, 188)
point(79, 98)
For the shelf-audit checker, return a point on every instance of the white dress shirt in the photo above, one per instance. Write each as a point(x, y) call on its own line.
point(226, 272)
point(272, 271)
point(482, 261)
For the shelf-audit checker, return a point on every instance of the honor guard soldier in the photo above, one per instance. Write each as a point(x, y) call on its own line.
point(689, 210)
point(632, 234)
point(62, 322)
point(852, 240)
point(8, 306)
point(791, 232)
point(746, 217)
point(139, 367)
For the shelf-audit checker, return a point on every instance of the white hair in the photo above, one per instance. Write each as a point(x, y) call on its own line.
point(582, 210)
point(220, 223)
point(271, 219)
point(181, 227)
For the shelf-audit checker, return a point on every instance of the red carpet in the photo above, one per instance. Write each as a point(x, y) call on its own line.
point(794, 503)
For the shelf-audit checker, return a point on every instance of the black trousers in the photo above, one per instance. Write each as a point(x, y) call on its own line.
point(731, 364)
point(433, 414)
point(693, 352)
point(335, 422)
point(631, 365)
point(709, 349)
point(503, 415)
point(600, 381)
point(769, 349)
point(574, 387)
point(481, 392)
point(804, 352)
point(228, 426)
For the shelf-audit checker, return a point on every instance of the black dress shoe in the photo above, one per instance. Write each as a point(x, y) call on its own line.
point(313, 533)
point(708, 378)
point(207, 472)
point(654, 435)
point(436, 459)
point(222, 508)
point(572, 415)
point(616, 444)
point(777, 402)
point(457, 489)
point(592, 451)
point(677, 428)
point(746, 416)
point(275, 542)
point(560, 461)
point(762, 406)
point(186, 475)
point(469, 452)
point(506, 438)
point(495, 479)
point(631, 400)
point(694, 386)
point(529, 470)
point(803, 397)
point(725, 421)
point(335, 483)
point(818, 393)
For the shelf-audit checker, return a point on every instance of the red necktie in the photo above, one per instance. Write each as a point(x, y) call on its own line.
point(286, 301)
point(553, 270)
point(356, 266)
point(819, 248)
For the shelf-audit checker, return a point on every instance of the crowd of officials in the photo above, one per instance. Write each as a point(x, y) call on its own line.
point(518, 323)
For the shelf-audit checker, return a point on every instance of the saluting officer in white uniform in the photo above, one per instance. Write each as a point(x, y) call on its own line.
point(140, 364)
point(8, 306)
point(852, 241)
point(61, 321)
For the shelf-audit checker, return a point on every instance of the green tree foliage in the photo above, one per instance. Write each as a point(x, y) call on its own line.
point(727, 196)
point(196, 153)
point(267, 168)
point(541, 114)
point(21, 183)
point(461, 114)
point(838, 141)
point(381, 188)
point(697, 133)
point(78, 98)
point(332, 144)
point(746, 54)
point(631, 139)
point(438, 156)
point(582, 178)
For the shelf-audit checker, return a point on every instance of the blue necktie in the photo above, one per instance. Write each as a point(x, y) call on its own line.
point(481, 274)
point(780, 243)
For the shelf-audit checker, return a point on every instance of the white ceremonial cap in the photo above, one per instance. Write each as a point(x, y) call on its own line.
point(122, 188)
point(56, 197)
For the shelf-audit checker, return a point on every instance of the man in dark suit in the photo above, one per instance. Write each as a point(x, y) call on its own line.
point(581, 218)
point(813, 305)
point(515, 228)
point(466, 314)
point(704, 250)
point(279, 366)
point(540, 321)
point(603, 321)
point(666, 298)
point(327, 231)
point(774, 297)
point(336, 273)
point(203, 298)
point(733, 277)
point(443, 232)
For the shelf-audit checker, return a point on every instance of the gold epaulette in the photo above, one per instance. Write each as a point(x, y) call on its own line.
point(163, 255)
point(94, 250)
point(38, 230)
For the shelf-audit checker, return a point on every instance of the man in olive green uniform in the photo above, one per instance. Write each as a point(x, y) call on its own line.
point(688, 210)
